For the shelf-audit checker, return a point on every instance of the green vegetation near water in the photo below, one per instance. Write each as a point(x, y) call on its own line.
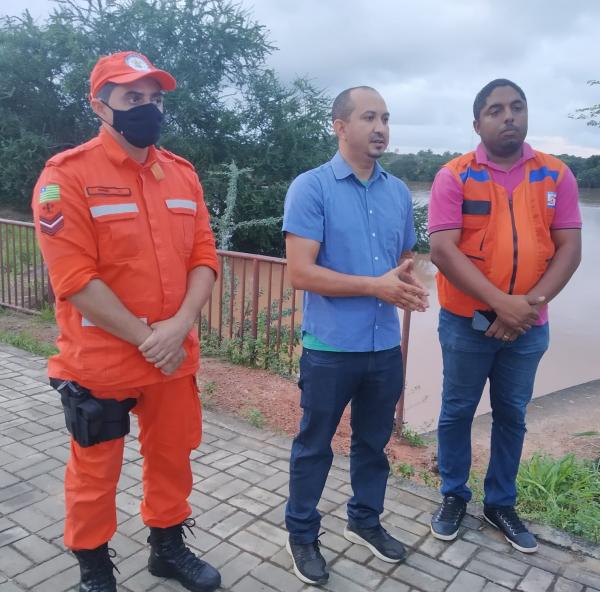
point(564, 493)
point(423, 166)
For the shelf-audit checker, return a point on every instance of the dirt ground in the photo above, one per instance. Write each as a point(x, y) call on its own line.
point(235, 389)
point(269, 399)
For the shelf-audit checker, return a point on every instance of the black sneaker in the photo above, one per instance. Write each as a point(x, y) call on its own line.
point(515, 532)
point(446, 521)
point(309, 565)
point(378, 540)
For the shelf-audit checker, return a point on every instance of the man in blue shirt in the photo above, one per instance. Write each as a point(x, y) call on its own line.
point(349, 231)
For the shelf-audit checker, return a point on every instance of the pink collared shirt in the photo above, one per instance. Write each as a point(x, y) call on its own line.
point(445, 205)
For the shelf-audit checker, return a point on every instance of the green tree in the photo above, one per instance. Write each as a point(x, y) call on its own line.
point(590, 114)
point(228, 105)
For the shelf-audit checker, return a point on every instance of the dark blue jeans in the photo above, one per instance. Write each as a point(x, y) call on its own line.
point(470, 359)
point(372, 382)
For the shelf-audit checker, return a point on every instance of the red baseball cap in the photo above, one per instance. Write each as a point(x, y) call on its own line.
point(125, 67)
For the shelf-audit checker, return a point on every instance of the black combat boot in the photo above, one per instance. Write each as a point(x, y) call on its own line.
point(97, 569)
point(170, 558)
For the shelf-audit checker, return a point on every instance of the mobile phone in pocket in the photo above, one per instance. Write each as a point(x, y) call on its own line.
point(482, 319)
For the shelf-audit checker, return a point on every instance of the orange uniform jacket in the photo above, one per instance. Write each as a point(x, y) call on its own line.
point(140, 229)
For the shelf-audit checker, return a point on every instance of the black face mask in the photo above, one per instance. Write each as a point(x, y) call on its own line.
point(140, 126)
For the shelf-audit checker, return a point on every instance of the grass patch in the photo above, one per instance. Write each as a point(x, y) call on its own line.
point(405, 470)
point(412, 438)
point(564, 493)
point(254, 417)
point(28, 342)
point(207, 393)
point(430, 479)
point(47, 314)
point(475, 484)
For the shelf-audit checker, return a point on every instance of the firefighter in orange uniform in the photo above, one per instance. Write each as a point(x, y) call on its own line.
point(125, 233)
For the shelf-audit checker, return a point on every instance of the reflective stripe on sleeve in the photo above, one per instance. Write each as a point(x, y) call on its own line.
point(87, 323)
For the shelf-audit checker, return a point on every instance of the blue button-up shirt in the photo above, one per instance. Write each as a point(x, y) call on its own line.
point(363, 230)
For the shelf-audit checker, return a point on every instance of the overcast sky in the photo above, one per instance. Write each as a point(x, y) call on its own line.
point(429, 58)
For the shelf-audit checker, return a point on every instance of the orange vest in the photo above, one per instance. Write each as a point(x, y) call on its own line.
point(140, 228)
point(507, 239)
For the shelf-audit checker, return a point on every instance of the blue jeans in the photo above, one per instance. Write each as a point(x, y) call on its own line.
point(372, 382)
point(470, 358)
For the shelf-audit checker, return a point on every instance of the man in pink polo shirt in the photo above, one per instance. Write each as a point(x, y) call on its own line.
point(505, 232)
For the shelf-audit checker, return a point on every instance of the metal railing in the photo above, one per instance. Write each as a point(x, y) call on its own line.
point(253, 314)
point(252, 300)
point(24, 283)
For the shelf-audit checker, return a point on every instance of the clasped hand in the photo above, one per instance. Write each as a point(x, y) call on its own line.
point(401, 288)
point(164, 346)
point(516, 315)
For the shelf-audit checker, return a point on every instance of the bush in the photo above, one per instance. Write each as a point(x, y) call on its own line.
point(564, 493)
point(252, 351)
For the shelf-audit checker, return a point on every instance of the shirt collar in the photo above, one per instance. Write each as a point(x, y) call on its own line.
point(341, 169)
point(481, 157)
point(117, 154)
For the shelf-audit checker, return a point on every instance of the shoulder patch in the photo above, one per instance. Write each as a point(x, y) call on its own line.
point(49, 193)
point(51, 217)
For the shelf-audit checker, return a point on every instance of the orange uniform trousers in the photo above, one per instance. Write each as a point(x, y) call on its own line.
point(170, 427)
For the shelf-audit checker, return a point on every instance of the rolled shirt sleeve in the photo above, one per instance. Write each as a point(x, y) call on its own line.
point(65, 232)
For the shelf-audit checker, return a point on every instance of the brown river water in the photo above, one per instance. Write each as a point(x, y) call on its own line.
point(574, 354)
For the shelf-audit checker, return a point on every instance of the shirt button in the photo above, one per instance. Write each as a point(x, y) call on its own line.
point(376, 258)
point(373, 234)
point(370, 211)
point(380, 305)
point(376, 326)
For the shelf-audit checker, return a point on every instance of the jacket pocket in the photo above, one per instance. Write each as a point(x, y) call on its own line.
point(182, 216)
point(118, 230)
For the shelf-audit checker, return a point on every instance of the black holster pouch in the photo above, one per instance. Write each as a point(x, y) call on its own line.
point(91, 420)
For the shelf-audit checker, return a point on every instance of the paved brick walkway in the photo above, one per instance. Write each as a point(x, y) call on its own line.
point(238, 498)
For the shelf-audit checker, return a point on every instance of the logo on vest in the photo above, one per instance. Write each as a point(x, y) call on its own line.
point(551, 199)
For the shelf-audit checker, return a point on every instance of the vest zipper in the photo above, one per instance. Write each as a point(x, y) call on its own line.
point(515, 247)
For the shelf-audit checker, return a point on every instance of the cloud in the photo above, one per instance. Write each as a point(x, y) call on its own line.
point(428, 59)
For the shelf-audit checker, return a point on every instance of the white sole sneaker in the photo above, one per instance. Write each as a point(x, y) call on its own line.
point(298, 573)
point(517, 547)
point(354, 538)
point(443, 537)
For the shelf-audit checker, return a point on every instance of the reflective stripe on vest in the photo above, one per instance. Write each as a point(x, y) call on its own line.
point(109, 210)
point(181, 204)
